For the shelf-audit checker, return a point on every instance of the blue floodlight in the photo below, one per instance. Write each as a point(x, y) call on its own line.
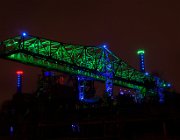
point(146, 73)
point(24, 34)
point(168, 85)
point(105, 46)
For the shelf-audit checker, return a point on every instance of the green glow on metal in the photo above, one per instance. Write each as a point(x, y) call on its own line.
point(140, 52)
point(89, 61)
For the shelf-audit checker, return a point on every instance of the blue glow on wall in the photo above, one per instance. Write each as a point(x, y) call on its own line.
point(11, 130)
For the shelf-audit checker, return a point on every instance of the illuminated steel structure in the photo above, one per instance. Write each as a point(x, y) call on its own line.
point(19, 81)
point(92, 62)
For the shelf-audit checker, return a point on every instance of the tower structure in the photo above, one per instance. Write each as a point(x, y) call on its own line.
point(141, 60)
point(19, 80)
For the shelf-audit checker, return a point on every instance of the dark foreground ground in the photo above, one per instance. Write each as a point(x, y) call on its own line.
point(53, 117)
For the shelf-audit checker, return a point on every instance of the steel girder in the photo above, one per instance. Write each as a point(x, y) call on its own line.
point(88, 61)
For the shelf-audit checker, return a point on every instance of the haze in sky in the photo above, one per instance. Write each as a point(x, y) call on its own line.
point(124, 25)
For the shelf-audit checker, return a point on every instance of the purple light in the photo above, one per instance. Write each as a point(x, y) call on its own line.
point(11, 130)
point(122, 93)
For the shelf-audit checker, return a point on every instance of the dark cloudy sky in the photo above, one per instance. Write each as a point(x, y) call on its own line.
point(124, 25)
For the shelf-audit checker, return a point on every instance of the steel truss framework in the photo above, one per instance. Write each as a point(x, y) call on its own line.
point(96, 62)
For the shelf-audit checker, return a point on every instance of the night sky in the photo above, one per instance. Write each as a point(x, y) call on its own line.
point(124, 25)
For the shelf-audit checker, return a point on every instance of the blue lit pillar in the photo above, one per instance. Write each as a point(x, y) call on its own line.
point(109, 80)
point(141, 60)
point(159, 90)
point(108, 73)
point(81, 87)
point(19, 81)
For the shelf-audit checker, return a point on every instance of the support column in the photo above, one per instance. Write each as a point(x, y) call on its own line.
point(19, 81)
point(159, 90)
point(81, 87)
point(109, 80)
point(108, 73)
point(141, 60)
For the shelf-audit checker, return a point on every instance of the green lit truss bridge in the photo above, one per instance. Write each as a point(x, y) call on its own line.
point(94, 62)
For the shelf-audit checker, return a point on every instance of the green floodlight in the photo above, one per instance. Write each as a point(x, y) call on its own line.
point(140, 52)
point(164, 85)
